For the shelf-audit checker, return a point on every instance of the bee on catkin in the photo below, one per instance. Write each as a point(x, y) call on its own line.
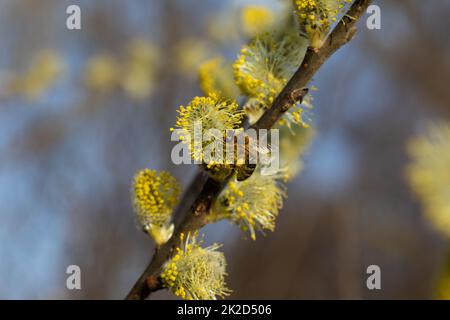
point(201, 123)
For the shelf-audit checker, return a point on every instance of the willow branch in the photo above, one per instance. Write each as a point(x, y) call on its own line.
point(293, 92)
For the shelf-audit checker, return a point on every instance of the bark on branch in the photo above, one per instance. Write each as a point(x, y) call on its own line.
point(294, 91)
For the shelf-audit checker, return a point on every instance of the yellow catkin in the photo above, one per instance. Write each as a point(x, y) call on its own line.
point(216, 77)
point(208, 113)
point(138, 76)
point(263, 68)
point(155, 194)
point(196, 273)
point(256, 19)
point(429, 174)
point(294, 143)
point(43, 72)
point(317, 16)
point(101, 73)
point(252, 204)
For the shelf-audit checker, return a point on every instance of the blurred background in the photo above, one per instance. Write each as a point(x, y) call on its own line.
point(81, 111)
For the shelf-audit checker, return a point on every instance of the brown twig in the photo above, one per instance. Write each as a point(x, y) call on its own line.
point(294, 91)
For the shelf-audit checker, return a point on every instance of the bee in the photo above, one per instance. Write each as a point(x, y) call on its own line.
point(250, 151)
point(244, 172)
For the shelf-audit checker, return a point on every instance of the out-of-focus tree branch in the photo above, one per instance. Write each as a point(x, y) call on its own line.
point(293, 92)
